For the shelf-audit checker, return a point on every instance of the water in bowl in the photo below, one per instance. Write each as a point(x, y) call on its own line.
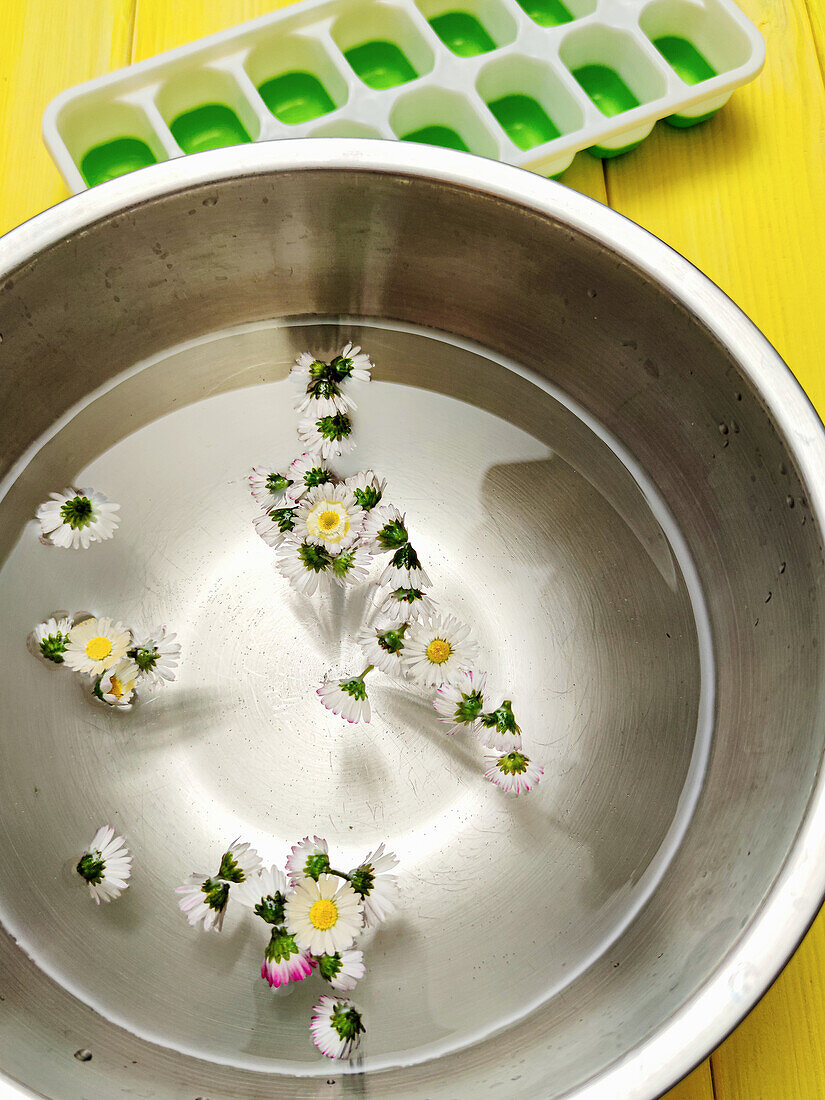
point(537, 529)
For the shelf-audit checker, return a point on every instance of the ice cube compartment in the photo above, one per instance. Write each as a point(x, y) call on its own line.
point(528, 82)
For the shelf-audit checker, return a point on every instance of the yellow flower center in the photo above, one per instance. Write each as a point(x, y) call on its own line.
point(116, 688)
point(323, 914)
point(438, 651)
point(99, 648)
point(328, 520)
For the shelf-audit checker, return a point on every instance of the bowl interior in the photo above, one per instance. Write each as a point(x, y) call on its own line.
point(595, 487)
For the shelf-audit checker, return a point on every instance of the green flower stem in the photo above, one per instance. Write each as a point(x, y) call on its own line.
point(369, 668)
point(340, 874)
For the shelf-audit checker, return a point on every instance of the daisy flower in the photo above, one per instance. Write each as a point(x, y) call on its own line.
point(402, 605)
point(352, 363)
point(116, 687)
point(351, 566)
point(346, 697)
point(106, 865)
point(435, 652)
point(384, 529)
point(77, 517)
point(95, 645)
point(499, 730)
point(329, 516)
point(239, 862)
point(368, 489)
point(343, 970)
point(156, 655)
point(375, 884)
point(309, 858)
point(512, 771)
point(382, 647)
point(328, 435)
point(204, 899)
point(305, 566)
point(264, 894)
point(461, 703)
point(324, 916)
point(50, 639)
point(274, 526)
point(404, 570)
point(267, 486)
point(337, 1026)
point(284, 961)
point(307, 369)
point(307, 471)
point(323, 397)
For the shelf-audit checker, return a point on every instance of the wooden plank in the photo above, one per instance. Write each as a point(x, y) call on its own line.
point(44, 48)
point(743, 197)
point(161, 25)
point(586, 174)
point(778, 1053)
point(697, 1086)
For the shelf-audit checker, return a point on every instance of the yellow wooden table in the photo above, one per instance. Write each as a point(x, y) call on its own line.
point(742, 196)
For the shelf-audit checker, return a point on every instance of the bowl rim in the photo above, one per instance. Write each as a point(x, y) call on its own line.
point(777, 927)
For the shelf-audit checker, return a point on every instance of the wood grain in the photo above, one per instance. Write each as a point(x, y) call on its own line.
point(44, 48)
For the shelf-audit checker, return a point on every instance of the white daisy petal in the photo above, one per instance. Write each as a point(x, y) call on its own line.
point(368, 489)
point(435, 652)
point(268, 486)
point(346, 697)
point(50, 639)
point(324, 916)
point(76, 518)
point(305, 473)
point(382, 646)
point(240, 862)
point(376, 885)
point(325, 399)
point(404, 605)
point(514, 772)
point(337, 1026)
point(275, 525)
point(204, 898)
point(351, 566)
point(343, 970)
point(329, 516)
point(499, 730)
point(404, 571)
point(157, 655)
point(267, 887)
point(306, 566)
point(106, 865)
point(384, 529)
point(327, 436)
point(308, 859)
point(462, 702)
point(284, 961)
point(357, 364)
point(96, 645)
point(306, 367)
point(116, 687)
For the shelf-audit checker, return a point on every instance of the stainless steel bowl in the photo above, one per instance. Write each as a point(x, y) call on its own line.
point(612, 476)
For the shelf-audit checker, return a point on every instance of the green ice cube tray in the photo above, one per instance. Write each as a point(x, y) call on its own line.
point(529, 82)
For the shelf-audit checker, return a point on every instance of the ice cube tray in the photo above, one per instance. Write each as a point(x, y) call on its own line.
point(529, 82)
